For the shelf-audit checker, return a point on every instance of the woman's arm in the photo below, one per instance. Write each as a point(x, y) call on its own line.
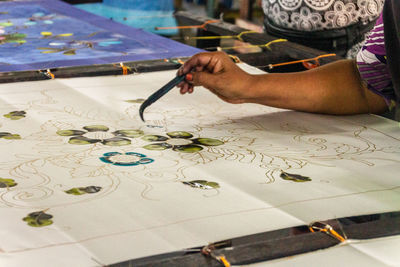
point(335, 88)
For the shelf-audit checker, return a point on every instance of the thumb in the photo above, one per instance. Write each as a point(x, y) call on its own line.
point(205, 78)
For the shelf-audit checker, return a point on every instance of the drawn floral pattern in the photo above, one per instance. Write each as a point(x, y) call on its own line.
point(77, 191)
point(6, 183)
point(15, 115)
point(99, 134)
point(10, 136)
point(38, 219)
point(179, 141)
point(202, 184)
point(125, 159)
point(294, 177)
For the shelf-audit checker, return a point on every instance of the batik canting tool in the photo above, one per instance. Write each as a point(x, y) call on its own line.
point(159, 93)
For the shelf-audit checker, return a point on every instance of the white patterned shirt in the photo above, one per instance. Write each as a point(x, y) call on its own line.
point(315, 15)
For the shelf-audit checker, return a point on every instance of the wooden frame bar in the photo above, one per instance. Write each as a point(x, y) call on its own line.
point(283, 49)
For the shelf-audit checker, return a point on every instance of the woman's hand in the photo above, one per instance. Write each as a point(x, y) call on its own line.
point(217, 72)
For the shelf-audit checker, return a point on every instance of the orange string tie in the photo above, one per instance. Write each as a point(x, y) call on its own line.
point(306, 62)
point(124, 68)
point(48, 74)
point(326, 228)
point(202, 26)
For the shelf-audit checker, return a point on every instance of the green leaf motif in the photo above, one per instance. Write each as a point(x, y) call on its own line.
point(77, 191)
point(154, 138)
point(82, 140)
point(159, 146)
point(6, 24)
point(38, 219)
point(187, 148)
point(116, 141)
point(9, 136)
point(15, 115)
point(180, 134)
point(136, 101)
point(294, 177)
point(96, 128)
point(6, 183)
point(129, 133)
point(13, 38)
point(70, 132)
point(202, 184)
point(208, 142)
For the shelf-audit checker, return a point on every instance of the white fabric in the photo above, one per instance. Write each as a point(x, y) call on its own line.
point(144, 210)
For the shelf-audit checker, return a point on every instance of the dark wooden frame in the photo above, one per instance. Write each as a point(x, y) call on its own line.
point(278, 244)
point(89, 71)
point(279, 52)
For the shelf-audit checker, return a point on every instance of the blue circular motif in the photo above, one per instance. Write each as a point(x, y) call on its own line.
point(107, 158)
point(38, 14)
point(30, 23)
point(108, 43)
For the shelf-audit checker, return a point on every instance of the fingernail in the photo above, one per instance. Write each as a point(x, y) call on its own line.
point(189, 77)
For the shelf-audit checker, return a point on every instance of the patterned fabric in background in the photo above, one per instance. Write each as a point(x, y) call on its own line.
point(372, 65)
point(314, 15)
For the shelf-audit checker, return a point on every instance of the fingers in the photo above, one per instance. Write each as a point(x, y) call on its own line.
point(198, 61)
point(186, 88)
point(211, 61)
point(199, 70)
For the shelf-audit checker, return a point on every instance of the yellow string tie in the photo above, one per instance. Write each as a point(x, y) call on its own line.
point(235, 58)
point(202, 26)
point(209, 252)
point(271, 66)
point(224, 261)
point(326, 228)
point(267, 45)
point(239, 36)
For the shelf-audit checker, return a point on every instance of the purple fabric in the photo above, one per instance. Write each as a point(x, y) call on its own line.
point(371, 62)
point(95, 40)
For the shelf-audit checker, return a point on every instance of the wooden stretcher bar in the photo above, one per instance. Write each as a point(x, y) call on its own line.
point(280, 243)
point(279, 52)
